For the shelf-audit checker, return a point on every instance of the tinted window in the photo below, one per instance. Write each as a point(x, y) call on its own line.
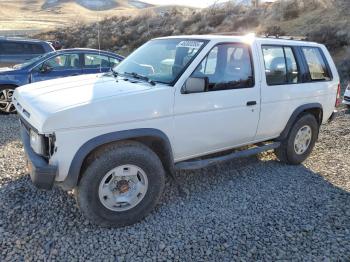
point(36, 49)
point(280, 65)
point(13, 48)
point(95, 61)
point(227, 66)
point(61, 62)
point(316, 63)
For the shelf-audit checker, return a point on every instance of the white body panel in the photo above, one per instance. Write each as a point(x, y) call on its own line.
point(81, 108)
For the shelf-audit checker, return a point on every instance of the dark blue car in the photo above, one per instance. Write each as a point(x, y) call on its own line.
point(62, 63)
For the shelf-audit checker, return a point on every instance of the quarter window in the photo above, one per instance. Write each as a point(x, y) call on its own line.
point(316, 63)
point(280, 65)
point(227, 66)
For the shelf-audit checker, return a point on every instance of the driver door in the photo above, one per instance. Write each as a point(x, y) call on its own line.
point(226, 114)
point(58, 66)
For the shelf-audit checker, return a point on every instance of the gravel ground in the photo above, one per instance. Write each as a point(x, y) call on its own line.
point(250, 209)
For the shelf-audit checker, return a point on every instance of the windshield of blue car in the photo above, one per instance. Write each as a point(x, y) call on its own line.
point(32, 61)
point(161, 60)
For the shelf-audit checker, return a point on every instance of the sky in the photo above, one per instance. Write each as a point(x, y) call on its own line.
point(194, 3)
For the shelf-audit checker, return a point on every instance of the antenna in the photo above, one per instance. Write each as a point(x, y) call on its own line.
point(99, 42)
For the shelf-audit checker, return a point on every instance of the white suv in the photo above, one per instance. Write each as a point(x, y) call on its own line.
point(182, 102)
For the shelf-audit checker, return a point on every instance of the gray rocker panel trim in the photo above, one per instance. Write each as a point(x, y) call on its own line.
point(76, 164)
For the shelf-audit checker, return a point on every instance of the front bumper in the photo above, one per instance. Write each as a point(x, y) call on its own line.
point(42, 174)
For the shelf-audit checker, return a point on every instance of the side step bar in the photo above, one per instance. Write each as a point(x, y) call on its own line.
point(201, 163)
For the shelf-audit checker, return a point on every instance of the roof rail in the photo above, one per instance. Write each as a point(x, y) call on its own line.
point(285, 37)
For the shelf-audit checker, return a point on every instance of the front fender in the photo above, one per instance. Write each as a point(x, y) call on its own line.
point(78, 160)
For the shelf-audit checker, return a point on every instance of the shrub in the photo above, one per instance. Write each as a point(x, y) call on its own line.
point(329, 36)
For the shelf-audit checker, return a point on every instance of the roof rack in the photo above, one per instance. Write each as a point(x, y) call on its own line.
point(285, 37)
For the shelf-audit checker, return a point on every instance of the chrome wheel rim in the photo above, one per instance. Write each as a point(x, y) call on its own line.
point(6, 104)
point(123, 187)
point(302, 140)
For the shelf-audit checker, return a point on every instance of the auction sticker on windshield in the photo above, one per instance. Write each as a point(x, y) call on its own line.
point(190, 44)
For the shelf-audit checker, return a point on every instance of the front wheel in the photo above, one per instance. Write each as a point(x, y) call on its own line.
point(300, 141)
point(121, 185)
point(6, 105)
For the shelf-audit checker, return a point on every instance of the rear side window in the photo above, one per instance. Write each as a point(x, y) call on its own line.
point(280, 65)
point(95, 61)
point(316, 64)
point(10, 48)
point(15, 48)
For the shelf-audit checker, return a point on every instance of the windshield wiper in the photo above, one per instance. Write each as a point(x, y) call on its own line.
point(140, 77)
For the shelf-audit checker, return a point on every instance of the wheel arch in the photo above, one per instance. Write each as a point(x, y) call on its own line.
point(155, 139)
point(313, 108)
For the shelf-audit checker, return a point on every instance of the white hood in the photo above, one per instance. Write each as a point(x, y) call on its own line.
point(45, 99)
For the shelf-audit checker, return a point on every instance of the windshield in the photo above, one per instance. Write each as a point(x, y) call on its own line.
point(161, 60)
point(32, 61)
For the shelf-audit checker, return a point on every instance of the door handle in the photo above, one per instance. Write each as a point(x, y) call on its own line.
point(74, 74)
point(251, 103)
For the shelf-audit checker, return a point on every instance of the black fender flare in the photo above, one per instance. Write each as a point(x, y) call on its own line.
point(299, 110)
point(75, 167)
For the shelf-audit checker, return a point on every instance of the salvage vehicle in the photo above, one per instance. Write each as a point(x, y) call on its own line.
point(62, 63)
point(346, 100)
point(176, 103)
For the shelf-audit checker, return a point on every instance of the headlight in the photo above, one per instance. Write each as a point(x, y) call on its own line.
point(37, 142)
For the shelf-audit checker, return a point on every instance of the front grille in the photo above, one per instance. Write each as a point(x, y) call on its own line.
point(347, 98)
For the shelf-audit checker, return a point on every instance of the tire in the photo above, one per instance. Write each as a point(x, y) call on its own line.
point(6, 106)
point(292, 154)
point(91, 188)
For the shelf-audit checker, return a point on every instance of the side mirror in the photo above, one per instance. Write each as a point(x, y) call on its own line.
point(195, 85)
point(45, 68)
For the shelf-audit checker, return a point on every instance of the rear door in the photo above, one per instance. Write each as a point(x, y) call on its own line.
point(293, 76)
point(227, 114)
point(95, 63)
point(61, 65)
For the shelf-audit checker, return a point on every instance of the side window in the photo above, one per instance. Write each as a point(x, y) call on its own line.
point(280, 65)
point(37, 49)
point(62, 62)
point(316, 63)
point(95, 61)
point(113, 61)
point(12, 48)
point(227, 66)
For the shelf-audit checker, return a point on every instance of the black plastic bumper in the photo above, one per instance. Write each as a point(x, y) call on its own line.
point(42, 174)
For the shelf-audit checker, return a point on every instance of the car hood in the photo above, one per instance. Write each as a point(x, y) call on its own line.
point(41, 100)
point(6, 69)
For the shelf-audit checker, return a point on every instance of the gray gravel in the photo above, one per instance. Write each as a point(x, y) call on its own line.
point(251, 209)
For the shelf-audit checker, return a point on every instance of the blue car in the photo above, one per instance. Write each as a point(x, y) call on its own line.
point(62, 63)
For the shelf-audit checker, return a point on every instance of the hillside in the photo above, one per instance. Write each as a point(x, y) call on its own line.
point(318, 20)
point(27, 16)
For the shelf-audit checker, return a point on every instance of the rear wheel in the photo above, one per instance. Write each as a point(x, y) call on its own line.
point(121, 185)
point(300, 140)
point(6, 105)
